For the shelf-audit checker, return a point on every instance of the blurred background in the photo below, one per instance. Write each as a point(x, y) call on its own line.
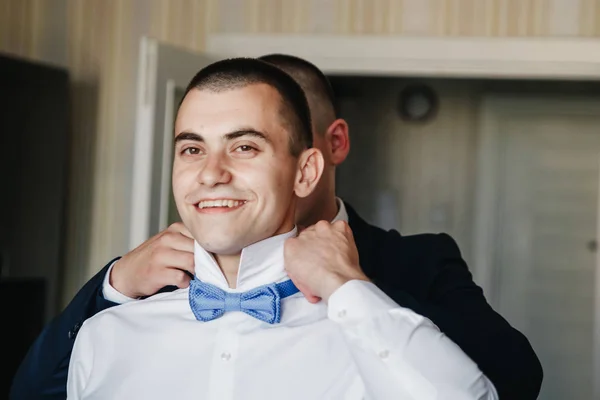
point(479, 118)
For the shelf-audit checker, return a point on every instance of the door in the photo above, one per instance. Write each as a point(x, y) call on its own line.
point(163, 74)
point(537, 217)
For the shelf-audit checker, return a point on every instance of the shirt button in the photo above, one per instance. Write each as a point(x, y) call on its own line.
point(225, 356)
point(383, 354)
point(342, 313)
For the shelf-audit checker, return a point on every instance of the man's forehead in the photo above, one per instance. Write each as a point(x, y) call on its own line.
point(257, 91)
point(250, 106)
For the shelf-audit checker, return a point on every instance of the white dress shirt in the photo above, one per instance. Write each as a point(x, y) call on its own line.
point(361, 345)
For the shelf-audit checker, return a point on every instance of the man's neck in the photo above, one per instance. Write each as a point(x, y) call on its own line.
point(230, 266)
point(330, 210)
point(326, 213)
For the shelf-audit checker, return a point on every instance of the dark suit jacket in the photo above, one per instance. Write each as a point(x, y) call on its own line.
point(423, 272)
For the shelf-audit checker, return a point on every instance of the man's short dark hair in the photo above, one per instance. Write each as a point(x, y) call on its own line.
point(317, 87)
point(235, 73)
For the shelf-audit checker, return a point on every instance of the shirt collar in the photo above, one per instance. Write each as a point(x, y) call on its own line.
point(342, 214)
point(261, 263)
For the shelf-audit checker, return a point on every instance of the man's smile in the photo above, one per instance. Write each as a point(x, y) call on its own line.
point(216, 206)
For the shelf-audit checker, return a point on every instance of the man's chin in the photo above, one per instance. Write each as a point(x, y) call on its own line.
point(221, 248)
point(227, 242)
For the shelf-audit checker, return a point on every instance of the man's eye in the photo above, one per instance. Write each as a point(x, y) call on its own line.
point(191, 151)
point(244, 148)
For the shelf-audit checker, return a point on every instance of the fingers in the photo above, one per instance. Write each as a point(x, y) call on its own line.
point(318, 227)
point(179, 227)
point(307, 293)
point(171, 258)
point(343, 227)
point(340, 226)
point(177, 241)
point(176, 277)
point(311, 299)
point(323, 227)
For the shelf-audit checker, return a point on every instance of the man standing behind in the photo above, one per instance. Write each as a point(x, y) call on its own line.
point(243, 156)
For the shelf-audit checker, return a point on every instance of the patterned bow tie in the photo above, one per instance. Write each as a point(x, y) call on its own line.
point(264, 302)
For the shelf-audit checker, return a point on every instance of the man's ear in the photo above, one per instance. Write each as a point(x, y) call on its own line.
point(338, 141)
point(310, 169)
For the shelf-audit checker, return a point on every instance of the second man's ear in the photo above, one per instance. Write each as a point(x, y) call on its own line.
point(339, 141)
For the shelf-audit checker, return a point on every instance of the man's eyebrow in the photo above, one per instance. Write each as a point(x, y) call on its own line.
point(247, 132)
point(188, 136)
point(195, 137)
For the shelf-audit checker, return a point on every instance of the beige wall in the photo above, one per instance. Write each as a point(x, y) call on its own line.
point(97, 40)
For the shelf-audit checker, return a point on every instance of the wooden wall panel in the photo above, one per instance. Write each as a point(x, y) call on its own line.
point(487, 18)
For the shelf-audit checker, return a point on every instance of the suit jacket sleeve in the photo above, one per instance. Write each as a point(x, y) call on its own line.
point(43, 372)
point(442, 289)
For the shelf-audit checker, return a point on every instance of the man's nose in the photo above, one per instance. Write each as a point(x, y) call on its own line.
point(214, 172)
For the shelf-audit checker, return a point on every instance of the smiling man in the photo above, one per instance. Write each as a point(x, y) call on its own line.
point(238, 168)
point(243, 330)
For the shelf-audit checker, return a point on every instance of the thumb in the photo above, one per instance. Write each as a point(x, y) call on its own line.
point(307, 293)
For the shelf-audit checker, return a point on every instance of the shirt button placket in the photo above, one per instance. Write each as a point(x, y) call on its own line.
point(222, 373)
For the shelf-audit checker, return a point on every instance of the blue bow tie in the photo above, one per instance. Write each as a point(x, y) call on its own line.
point(264, 302)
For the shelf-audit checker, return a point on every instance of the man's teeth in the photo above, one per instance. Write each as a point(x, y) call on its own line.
point(220, 203)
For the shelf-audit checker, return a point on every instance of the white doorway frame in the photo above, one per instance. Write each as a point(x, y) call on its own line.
point(487, 192)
